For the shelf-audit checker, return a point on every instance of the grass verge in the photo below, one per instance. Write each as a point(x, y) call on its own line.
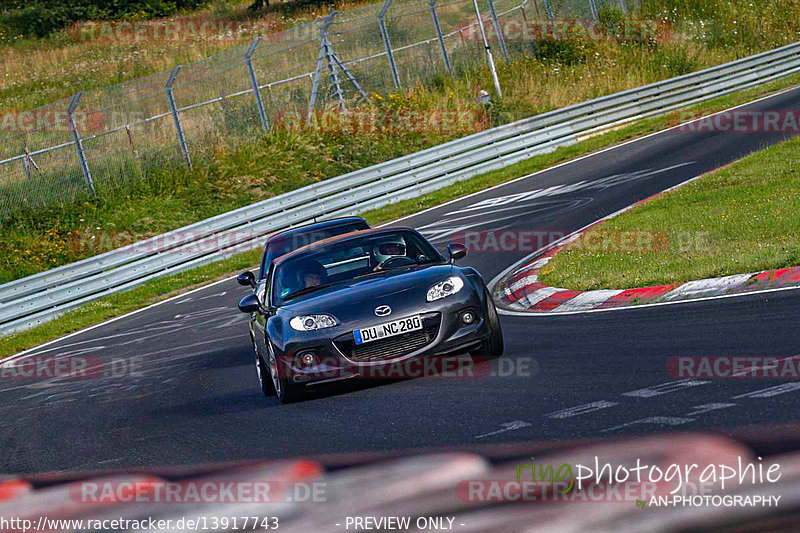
point(157, 290)
point(737, 220)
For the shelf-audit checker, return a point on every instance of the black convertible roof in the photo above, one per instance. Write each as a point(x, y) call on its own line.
point(310, 228)
point(340, 238)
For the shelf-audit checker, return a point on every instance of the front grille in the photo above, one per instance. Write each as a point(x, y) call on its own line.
point(392, 347)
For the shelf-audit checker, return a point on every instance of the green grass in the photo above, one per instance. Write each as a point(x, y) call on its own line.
point(157, 290)
point(743, 218)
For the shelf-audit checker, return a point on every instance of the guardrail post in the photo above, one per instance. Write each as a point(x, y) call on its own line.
point(488, 49)
point(248, 58)
point(439, 36)
point(87, 176)
point(387, 44)
point(323, 38)
point(174, 109)
point(549, 8)
point(498, 30)
point(624, 6)
point(593, 7)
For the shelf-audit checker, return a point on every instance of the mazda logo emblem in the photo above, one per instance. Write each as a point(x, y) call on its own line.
point(383, 310)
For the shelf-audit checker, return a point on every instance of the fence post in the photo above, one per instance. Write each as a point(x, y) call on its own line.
point(174, 109)
point(248, 58)
point(323, 37)
point(488, 49)
point(439, 36)
point(549, 8)
point(593, 7)
point(87, 176)
point(26, 159)
point(624, 6)
point(497, 29)
point(387, 44)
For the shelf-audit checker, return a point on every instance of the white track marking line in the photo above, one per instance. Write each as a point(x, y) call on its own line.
point(581, 409)
point(708, 407)
point(658, 420)
point(664, 388)
point(771, 391)
point(507, 426)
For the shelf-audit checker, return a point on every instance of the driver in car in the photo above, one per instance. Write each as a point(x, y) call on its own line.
point(313, 275)
point(385, 251)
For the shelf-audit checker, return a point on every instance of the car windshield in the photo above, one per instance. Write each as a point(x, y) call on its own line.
point(290, 243)
point(353, 258)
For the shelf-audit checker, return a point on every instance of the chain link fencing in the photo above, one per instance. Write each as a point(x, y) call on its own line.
point(109, 139)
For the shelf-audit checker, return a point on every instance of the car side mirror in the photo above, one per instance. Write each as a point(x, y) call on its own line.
point(246, 279)
point(456, 251)
point(250, 304)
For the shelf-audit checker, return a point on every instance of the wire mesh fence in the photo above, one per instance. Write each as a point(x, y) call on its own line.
point(110, 138)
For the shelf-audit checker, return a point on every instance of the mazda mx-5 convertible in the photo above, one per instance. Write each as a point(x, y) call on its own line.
point(353, 305)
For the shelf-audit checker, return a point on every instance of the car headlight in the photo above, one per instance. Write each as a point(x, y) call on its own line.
point(445, 288)
point(312, 322)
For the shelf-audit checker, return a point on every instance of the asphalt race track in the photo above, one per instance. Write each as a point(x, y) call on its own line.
point(193, 395)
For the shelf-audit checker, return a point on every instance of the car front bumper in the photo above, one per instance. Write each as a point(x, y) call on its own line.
point(335, 360)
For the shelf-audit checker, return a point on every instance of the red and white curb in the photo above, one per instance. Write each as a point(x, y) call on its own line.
point(522, 291)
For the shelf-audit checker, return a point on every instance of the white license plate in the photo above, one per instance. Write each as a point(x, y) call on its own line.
point(389, 329)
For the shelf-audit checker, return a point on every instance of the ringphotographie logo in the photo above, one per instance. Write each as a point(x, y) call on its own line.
point(644, 484)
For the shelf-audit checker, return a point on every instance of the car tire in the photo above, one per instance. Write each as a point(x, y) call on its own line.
point(262, 372)
point(264, 382)
point(285, 390)
point(493, 346)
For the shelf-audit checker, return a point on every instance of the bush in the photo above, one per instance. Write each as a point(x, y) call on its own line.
point(42, 17)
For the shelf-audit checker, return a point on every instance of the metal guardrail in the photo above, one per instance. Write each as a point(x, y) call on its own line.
point(30, 301)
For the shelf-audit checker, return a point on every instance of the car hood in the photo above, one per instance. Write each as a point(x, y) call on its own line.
point(345, 299)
